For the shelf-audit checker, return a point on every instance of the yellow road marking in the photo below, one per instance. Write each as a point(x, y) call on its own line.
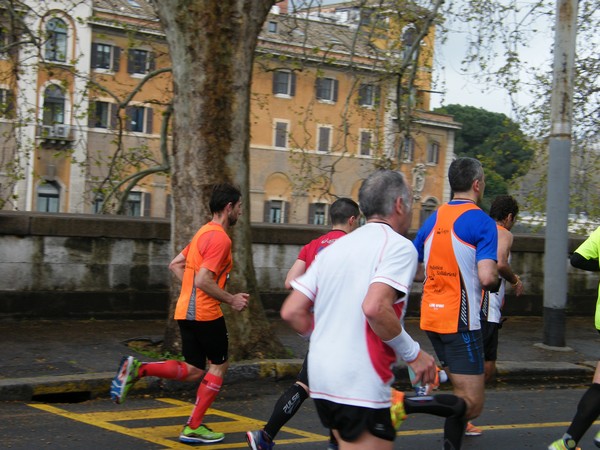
point(167, 435)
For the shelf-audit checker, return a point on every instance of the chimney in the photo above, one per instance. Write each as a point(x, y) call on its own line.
point(283, 6)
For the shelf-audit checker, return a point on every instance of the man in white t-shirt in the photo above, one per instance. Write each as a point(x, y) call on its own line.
point(358, 287)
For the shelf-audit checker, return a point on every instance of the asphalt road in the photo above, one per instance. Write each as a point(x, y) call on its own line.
point(512, 419)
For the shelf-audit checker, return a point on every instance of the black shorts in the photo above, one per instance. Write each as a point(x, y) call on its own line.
point(204, 340)
point(461, 352)
point(352, 421)
point(489, 331)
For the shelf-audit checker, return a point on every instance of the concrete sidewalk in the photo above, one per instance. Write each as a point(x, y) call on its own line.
point(44, 358)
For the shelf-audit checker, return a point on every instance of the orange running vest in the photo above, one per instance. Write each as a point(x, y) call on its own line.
point(451, 288)
point(193, 303)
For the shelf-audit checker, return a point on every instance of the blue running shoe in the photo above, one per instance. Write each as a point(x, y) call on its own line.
point(259, 440)
point(126, 376)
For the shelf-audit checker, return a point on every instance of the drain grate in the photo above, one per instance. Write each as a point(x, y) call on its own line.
point(63, 397)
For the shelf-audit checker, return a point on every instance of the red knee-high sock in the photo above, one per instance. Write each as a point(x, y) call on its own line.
point(172, 369)
point(207, 392)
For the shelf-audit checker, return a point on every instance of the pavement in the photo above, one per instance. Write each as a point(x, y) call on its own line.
point(69, 360)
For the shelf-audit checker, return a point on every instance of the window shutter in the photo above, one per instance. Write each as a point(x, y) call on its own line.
point(335, 90)
point(151, 61)
point(266, 211)
point(94, 55)
point(361, 94)
point(318, 83)
point(128, 117)
point(149, 114)
point(130, 61)
point(147, 204)
point(92, 114)
point(293, 84)
point(116, 62)
point(286, 212)
point(9, 108)
point(311, 213)
point(377, 99)
point(169, 206)
point(113, 113)
point(274, 86)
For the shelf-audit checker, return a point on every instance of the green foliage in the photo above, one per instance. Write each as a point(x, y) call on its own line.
point(496, 141)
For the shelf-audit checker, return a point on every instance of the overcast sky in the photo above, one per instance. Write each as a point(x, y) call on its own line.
point(465, 90)
point(462, 89)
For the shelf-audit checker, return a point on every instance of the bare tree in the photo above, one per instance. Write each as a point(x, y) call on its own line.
point(212, 45)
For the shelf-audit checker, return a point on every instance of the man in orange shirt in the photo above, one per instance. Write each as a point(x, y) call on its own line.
point(203, 268)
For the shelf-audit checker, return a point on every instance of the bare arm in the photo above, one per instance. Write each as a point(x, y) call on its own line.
point(420, 274)
point(505, 240)
point(177, 266)
point(297, 269)
point(378, 309)
point(487, 270)
point(296, 311)
point(204, 280)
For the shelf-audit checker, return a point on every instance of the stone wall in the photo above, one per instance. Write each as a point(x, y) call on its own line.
point(83, 266)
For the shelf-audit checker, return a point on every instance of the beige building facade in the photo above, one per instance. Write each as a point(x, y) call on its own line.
point(88, 115)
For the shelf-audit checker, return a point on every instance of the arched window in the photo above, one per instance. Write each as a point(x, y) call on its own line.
point(408, 39)
point(48, 197)
point(427, 209)
point(54, 105)
point(56, 40)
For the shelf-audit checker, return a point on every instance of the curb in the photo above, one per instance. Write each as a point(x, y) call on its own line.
point(96, 385)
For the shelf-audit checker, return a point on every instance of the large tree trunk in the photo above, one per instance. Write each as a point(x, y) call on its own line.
point(212, 44)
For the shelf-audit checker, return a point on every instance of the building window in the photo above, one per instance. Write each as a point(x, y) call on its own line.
point(7, 103)
point(324, 136)
point(48, 197)
point(139, 119)
point(54, 105)
point(56, 40)
point(408, 149)
point(327, 89)
point(281, 134)
point(4, 42)
point(427, 209)
point(98, 204)
point(366, 143)
point(272, 27)
point(276, 211)
point(105, 56)
point(284, 83)
point(100, 117)
point(133, 206)
point(140, 61)
point(408, 39)
point(368, 95)
point(317, 213)
point(433, 153)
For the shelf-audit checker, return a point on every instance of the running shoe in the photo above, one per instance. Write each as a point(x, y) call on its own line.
point(562, 444)
point(597, 439)
point(472, 430)
point(397, 408)
point(259, 440)
point(201, 434)
point(126, 376)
